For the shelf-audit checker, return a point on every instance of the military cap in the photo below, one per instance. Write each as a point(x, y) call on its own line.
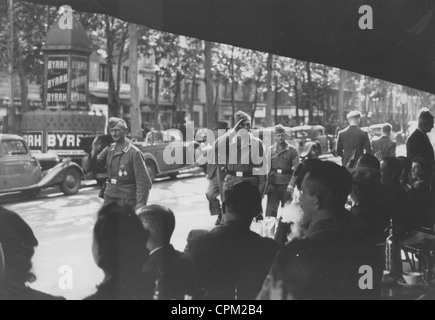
point(240, 115)
point(279, 129)
point(354, 114)
point(117, 123)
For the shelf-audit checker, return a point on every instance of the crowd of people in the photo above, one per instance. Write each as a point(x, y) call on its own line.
point(343, 212)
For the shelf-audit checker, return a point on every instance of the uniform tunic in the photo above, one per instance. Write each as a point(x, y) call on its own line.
point(128, 176)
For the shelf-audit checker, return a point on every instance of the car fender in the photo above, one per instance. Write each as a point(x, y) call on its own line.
point(56, 175)
point(150, 156)
point(308, 147)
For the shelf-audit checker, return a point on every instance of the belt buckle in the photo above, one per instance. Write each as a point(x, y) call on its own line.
point(239, 174)
point(113, 181)
point(279, 171)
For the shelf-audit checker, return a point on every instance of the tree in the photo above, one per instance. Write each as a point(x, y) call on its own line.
point(163, 47)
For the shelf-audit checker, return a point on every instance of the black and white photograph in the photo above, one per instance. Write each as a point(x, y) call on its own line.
point(217, 151)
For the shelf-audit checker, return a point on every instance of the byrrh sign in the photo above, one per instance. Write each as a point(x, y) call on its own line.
point(61, 142)
point(67, 81)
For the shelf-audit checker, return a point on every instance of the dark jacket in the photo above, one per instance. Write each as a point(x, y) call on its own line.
point(23, 293)
point(232, 261)
point(175, 270)
point(348, 246)
point(384, 147)
point(421, 204)
point(353, 140)
point(419, 144)
point(286, 160)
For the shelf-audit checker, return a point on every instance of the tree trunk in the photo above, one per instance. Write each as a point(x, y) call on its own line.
point(298, 121)
point(276, 100)
point(111, 94)
point(125, 34)
point(257, 83)
point(341, 84)
point(269, 90)
point(211, 112)
point(310, 93)
point(156, 111)
point(11, 110)
point(135, 113)
point(233, 83)
point(192, 98)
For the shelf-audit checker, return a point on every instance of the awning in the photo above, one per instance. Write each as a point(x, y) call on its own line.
point(400, 48)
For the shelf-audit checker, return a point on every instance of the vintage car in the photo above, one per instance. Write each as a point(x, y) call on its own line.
point(153, 147)
point(20, 171)
point(312, 141)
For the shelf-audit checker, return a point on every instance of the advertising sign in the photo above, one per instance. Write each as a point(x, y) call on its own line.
point(57, 82)
point(66, 143)
point(79, 81)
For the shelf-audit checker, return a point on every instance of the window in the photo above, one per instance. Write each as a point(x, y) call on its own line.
point(12, 148)
point(187, 90)
point(150, 88)
point(197, 91)
point(125, 75)
point(104, 73)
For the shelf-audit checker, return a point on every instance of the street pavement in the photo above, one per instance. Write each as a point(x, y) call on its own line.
point(63, 225)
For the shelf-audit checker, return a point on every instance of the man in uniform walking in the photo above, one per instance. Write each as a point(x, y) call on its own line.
point(283, 160)
point(241, 158)
point(352, 141)
point(129, 182)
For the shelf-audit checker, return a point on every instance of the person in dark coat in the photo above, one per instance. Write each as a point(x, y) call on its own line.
point(176, 271)
point(120, 250)
point(419, 143)
point(326, 264)
point(352, 142)
point(18, 244)
point(232, 260)
point(384, 147)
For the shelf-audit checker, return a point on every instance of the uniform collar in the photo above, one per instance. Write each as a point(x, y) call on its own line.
point(287, 147)
point(126, 147)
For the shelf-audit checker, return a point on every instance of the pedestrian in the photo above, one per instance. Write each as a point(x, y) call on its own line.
point(240, 161)
point(215, 177)
point(384, 147)
point(353, 141)
point(419, 144)
point(128, 182)
point(283, 160)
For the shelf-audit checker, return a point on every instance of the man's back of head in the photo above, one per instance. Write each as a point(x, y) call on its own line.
point(426, 121)
point(386, 130)
point(243, 202)
point(326, 187)
point(160, 222)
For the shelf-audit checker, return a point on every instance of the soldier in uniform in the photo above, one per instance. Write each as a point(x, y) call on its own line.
point(129, 182)
point(283, 160)
point(241, 164)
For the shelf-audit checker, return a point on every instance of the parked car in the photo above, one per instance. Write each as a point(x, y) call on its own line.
point(20, 171)
point(153, 147)
point(312, 141)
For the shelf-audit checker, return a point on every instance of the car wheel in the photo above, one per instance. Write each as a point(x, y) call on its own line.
point(31, 194)
point(71, 182)
point(152, 170)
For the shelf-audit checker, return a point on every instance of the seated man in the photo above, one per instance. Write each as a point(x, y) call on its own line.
point(176, 271)
point(232, 260)
point(336, 242)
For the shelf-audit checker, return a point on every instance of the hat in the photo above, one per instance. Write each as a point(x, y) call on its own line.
point(117, 123)
point(279, 129)
point(354, 114)
point(240, 115)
